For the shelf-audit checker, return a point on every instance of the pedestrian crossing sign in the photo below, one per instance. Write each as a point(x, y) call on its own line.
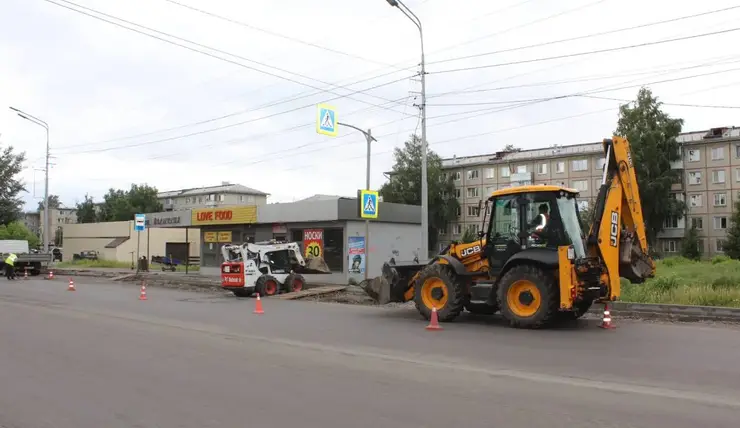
point(369, 204)
point(326, 120)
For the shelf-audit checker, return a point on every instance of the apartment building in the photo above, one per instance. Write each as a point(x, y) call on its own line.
point(709, 184)
point(577, 166)
point(227, 194)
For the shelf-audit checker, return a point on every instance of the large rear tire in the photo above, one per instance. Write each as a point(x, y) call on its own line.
point(438, 287)
point(528, 297)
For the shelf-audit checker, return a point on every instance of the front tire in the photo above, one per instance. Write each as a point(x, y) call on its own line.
point(438, 287)
point(267, 285)
point(527, 297)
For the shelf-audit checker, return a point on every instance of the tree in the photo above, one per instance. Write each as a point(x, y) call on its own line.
point(86, 210)
point(122, 205)
point(404, 187)
point(652, 135)
point(11, 165)
point(512, 148)
point(17, 230)
point(59, 236)
point(587, 218)
point(53, 203)
point(732, 244)
point(469, 236)
point(690, 246)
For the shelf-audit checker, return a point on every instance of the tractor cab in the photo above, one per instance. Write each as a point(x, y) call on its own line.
point(532, 219)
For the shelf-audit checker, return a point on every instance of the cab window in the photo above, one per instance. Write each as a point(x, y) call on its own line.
point(505, 218)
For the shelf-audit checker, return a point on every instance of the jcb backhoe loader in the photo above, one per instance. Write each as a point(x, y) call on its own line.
point(532, 261)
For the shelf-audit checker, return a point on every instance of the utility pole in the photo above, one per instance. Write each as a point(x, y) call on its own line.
point(369, 137)
point(47, 227)
point(424, 182)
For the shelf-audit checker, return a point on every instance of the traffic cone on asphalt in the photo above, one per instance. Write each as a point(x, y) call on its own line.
point(51, 275)
point(142, 294)
point(25, 274)
point(71, 286)
point(258, 306)
point(606, 321)
point(434, 321)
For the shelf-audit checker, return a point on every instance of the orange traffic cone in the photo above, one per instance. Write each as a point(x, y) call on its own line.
point(606, 321)
point(71, 286)
point(25, 274)
point(258, 306)
point(51, 275)
point(142, 294)
point(434, 321)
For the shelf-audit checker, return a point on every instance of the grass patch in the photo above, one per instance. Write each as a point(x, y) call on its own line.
point(678, 280)
point(115, 264)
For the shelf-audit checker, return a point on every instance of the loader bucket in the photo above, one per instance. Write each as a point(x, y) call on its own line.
point(392, 284)
point(315, 265)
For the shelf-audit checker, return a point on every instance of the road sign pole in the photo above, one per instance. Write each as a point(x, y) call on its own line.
point(138, 244)
point(139, 226)
point(369, 137)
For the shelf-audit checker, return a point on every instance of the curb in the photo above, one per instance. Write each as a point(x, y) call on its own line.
point(684, 313)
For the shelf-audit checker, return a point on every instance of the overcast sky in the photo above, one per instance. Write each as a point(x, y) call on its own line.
point(127, 108)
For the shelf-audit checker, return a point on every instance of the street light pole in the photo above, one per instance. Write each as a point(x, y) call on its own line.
point(369, 137)
point(47, 226)
point(424, 182)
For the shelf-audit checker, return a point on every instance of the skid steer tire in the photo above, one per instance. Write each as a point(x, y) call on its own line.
point(437, 286)
point(267, 285)
point(294, 282)
point(528, 297)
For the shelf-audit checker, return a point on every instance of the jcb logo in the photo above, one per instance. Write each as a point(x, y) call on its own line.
point(614, 229)
point(470, 251)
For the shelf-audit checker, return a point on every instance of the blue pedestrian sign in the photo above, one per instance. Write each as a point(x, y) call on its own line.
point(326, 120)
point(139, 222)
point(368, 204)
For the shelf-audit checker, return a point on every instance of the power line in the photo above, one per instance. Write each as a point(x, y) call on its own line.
point(207, 47)
point(664, 103)
point(586, 36)
point(275, 34)
point(592, 52)
point(146, 143)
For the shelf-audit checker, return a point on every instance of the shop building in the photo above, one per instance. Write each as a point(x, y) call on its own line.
point(329, 227)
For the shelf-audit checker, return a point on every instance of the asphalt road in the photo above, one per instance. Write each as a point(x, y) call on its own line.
point(99, 357)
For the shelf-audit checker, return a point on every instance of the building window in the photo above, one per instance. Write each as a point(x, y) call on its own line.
point(457, 229)
point(671, 222)
point(579, 165)
point(490, 173)
point(458, 193)
point(718, 153)
point(695, 177)
point(718, 176)
point(694, 155)
point(720, 223)
point(695, 200)
point(442, 231)
point(560, 167)
point(669, 246)
point(737, 172)
point(720, 199)
point(473, 211)
point(334, 252)
point(443, 177)
point(221, 197)
point(473, 227)
point(456, 175)
point(697, 223)
point(490, 189)
point(720, 245)
point(737, 150)
point(473, 174)
point(542, 169)
point(581, 185)
point(600, 163)
point(473, 192)
point(521, 169)
point(505, 172)
point(458, 211)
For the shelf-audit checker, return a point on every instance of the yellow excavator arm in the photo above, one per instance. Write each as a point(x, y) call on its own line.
point(618, 235)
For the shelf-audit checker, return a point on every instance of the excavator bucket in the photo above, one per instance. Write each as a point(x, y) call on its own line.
point(393, 282)
point(314, 265)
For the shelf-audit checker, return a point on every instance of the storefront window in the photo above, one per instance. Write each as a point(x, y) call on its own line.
point(333, 246)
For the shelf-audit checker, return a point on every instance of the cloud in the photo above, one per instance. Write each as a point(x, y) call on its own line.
point(125, 108)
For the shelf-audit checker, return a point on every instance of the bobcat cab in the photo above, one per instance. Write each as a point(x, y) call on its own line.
point(532, 261)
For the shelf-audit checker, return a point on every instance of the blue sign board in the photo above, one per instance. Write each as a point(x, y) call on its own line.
point(369, 201)
point(139, 222)
point(326, 120)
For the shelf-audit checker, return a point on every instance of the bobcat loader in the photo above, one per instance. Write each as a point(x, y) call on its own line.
point(534, 271)
point(267, 268)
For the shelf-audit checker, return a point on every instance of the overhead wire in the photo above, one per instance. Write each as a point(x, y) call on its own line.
point(55, 2)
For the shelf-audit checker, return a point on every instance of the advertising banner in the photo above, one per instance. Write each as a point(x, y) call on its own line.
point(356, 253)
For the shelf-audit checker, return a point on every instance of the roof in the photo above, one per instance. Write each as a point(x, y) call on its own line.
point(320, 197)
point(223, 188)
point(532, 188)
point(524, 155)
